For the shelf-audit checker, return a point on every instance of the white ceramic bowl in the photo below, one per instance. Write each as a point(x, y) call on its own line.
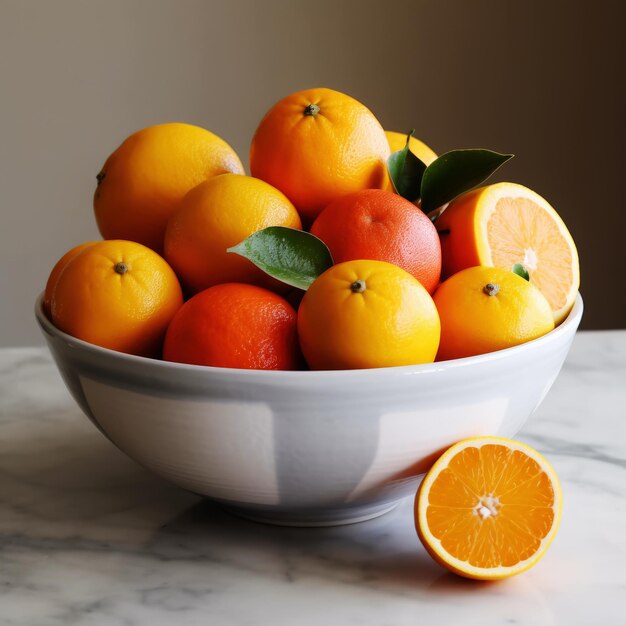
point(304, 448)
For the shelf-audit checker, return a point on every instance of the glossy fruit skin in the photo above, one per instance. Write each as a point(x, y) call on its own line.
point(57, 270)
point(465, 229)
point(382, 226)
point(392, 322)
point(145, 179)
point(315, 158)
point(235, 325)
point(458, 233)
point(473, 322)
point(397, 141)
point(217, 214)
point(128, 312)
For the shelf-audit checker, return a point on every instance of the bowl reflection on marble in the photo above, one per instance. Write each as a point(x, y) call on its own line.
point(304, 448)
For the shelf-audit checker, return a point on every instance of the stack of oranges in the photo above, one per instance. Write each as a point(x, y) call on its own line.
point(173, 199)
point(490, 268)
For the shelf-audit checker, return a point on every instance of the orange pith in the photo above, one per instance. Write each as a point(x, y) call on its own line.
point(519, 230)
point(491, 510)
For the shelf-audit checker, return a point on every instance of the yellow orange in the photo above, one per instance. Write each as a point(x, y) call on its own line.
point(119, 295)
point(397, 141)
point(218, 214)
point(317, 145)
point(483, 309)
point(503, 224)
point(488, 508)
point(56, 272)
point(145, 179)
point(361, 314)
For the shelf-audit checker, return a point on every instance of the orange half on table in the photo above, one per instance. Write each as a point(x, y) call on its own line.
point(488, 508)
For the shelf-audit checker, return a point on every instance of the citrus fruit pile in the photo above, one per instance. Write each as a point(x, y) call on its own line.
point(347, 247)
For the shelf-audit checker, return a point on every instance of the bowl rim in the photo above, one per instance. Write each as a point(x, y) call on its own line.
point(571, 321)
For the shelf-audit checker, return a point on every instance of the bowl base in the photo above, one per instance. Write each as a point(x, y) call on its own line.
point(313, 518)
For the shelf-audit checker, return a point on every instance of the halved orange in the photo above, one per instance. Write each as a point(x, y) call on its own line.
point(503, 224)
point(488, 508)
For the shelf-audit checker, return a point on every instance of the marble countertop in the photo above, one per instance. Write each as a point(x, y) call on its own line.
point(89, 538)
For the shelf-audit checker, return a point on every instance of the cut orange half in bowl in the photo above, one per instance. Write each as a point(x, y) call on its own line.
point(503, 224)
point(488, 508)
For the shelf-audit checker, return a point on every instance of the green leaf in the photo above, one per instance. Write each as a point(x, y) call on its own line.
point(289, 255)
point(520, 270)
point(405, 171)
point(455, 172)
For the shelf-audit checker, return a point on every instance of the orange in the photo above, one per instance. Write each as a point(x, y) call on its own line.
point(397, 141)
point(58, 269)
point(483, 309)
point(361, 314)
point(145, 179)
point(317, 145)
point(119, 295)
point(488, 508)
point(234, 325)
point(503, 224)
point(218, 214)
point(380, 225)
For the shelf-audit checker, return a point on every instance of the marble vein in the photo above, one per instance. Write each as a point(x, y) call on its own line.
point(88, 538)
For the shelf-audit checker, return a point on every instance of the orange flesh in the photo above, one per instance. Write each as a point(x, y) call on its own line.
point(520, 231)
point(491, 506)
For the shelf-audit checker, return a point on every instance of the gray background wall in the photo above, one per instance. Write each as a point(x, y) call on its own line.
point(538, 78)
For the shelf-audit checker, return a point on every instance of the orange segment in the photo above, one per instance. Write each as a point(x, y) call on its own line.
point(517, 225)
point(488, 508)
point(520, 231)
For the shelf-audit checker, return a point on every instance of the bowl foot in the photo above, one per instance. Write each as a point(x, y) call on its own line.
point(313, 517)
